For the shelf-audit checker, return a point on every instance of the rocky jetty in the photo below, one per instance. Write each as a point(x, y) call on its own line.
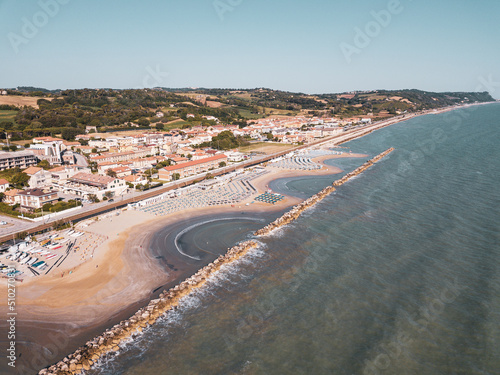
point(297, 210)
point(83, 358)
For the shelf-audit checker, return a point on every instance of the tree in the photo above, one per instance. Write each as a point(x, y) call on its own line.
point(47, 207)
point(44, 164)
point(2, 197)
point(111, 173)
point(222, 164)
point(108, 194)
point(19, 180)
point(6, 125)
point(69, 134)
point(93, 198)
point(13, 148)
point(143, 122)
point(176, 176)
point(94, 150)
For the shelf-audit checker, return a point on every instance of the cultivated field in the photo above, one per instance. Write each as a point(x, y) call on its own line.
point(20, 101)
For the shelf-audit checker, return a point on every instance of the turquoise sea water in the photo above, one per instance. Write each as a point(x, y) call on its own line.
point(397, 272)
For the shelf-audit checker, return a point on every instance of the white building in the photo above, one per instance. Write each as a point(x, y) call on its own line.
point(39, 177)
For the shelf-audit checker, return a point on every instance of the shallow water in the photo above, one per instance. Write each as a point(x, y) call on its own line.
point(397, 272)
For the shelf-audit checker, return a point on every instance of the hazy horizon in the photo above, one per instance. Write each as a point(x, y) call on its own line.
point(311, 47)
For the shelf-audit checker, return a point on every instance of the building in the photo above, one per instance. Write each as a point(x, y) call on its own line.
point(48, 148)
point(192, 167)
point(4, 184)
point(122, 171)
point(18, 159)
point(32, 199)
point(39, 177)
point(135, 179)
point(12, 196)
point(84, 184)
point(63, 173)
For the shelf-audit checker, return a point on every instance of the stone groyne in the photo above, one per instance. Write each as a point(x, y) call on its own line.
point(84, 357)
point(297, 210)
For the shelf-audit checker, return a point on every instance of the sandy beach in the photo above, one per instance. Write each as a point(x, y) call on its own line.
point(60, 311)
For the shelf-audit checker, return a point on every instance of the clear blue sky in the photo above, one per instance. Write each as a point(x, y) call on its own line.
point(445, 45)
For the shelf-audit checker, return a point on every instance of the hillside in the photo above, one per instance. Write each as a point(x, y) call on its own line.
point(28, 112)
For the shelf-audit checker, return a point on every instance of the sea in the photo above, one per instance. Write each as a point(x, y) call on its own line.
point(396, 272)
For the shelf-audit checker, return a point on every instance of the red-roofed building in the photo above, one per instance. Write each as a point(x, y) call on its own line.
point(84, 184)
point(122, 171)
point(31, 199)
point(12, 196)
point(39, 177)
point(4, 184)
point(135, 179)
point(192, 167)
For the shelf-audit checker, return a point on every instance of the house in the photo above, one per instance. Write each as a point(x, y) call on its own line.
point(61, 174)
point(235, 156)
point(17, 159)
point(4, 184)
point(192, 167)
point(122, 171)
point(135, 179)
point(31, 199)
point(39, 177)
point(68, 157)
point(12, 196)
point(83, 184)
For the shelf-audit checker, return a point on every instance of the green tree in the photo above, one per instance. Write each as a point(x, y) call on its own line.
point(176, 176)
point(2, 197)
point(143, 122)
point(19, 180)
point(69, 134)
point(93, 198)
point(44, 164)
point(111, 173)
point(222, 164)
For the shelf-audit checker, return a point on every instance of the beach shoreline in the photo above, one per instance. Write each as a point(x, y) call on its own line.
point(54, 316)
point(50, 310)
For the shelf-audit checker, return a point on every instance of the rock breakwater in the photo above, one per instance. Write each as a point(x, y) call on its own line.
point(84, 357)
point(297, 210)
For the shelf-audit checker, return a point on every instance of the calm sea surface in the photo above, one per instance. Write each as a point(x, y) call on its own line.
point(397, 272)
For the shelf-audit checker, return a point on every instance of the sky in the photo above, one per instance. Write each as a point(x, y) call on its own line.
point(313, 46)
